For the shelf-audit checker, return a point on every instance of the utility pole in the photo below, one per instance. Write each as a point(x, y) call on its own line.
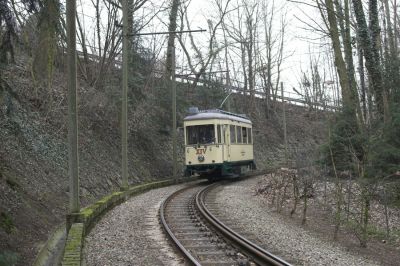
point(124, 102)
point(174, 137)
point(395, 27)
point(73, 159)
point(284, 126)
point(170, 65)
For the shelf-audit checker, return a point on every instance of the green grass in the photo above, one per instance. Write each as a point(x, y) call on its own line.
point(374, 232)
point(395, 233)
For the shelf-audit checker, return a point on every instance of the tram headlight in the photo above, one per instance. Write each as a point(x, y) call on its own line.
point(200, 158)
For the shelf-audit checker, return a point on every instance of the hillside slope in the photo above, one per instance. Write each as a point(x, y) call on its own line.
point(34, 154)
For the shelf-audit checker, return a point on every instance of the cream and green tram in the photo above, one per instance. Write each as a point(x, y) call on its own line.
point(217, 143)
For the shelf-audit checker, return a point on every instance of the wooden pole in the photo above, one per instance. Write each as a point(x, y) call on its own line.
point(124, 110)
point(170, 75)
point(395, 26)
point(72, 110)
point(284, 126)
point(174, 142)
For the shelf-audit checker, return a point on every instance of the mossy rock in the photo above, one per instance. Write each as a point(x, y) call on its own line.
point(73, 245)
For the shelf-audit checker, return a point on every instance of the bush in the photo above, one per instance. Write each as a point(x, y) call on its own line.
point(6, 223)
point(8, 258)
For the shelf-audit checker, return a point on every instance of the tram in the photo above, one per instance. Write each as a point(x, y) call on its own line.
point(217, 143)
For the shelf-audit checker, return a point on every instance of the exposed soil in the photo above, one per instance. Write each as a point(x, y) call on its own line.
point(320, 222)
point(34, 156)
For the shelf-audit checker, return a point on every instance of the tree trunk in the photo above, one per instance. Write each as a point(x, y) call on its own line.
point(365, 218)
point(295, 194)
point(385, 198)
point(338, 193)
point(362, 80)
point(305, 201)
point(349, 61)
point(348, 102)
point(369, 39)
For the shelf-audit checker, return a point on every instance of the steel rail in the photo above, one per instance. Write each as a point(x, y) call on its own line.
point(171, 235)
point(255, 252)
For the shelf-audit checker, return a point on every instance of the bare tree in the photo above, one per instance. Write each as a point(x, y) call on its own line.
point(243, 30)
point(100, 51)
point(101, 46)
point(256, 41)
point(271, 59)
point(200, 61)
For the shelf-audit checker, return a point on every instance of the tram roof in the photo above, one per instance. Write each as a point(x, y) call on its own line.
point(217, 114)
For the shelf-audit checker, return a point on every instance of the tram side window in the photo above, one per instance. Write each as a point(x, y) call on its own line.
point(233, 134)
point(249, 135)
point(203, 134)
point(244, 134)
point(239, 134)
point(224, 132)
point(219, 136)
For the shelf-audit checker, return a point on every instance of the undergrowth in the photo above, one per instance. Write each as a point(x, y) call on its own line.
point(6, 223)
point(8, 258)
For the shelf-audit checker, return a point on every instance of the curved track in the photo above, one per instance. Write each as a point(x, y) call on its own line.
point(202, 237)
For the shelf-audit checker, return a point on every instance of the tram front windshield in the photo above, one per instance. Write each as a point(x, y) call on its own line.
point(203, 134)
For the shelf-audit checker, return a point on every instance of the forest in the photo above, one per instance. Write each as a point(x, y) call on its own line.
point(349, 79)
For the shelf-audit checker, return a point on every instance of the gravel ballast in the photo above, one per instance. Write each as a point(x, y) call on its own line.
point(130, 234)
point(285, 239)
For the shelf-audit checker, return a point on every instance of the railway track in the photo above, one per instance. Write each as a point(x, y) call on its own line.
point(188, 219)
